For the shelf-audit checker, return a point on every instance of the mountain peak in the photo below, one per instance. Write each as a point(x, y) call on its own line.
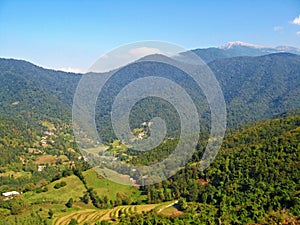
point(232, 44)
point(287, 48)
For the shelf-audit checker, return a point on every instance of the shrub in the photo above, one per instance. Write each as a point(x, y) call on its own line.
point(59, 185)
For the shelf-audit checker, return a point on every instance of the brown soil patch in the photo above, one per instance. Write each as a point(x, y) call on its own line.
point(46, 159)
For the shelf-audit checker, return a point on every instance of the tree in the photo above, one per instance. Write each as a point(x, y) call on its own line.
point(69, 204)
point(17, 205)
point(29, 187)
point(85, 198)
point(73, 222)
point(50, 214)
point(16, 208)
point(182, 204)
point(59, 185)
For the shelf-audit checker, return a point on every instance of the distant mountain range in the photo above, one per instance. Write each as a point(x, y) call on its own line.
point(256, 85)
point(238, 48)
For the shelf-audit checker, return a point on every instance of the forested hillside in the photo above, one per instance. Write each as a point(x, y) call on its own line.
point(254, 88)
point(254, 179)
point(31, 92)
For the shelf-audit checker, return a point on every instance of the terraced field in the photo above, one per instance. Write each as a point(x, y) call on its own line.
point(82, 216)
point(90, 216)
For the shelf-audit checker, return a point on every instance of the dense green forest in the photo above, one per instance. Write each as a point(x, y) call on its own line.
point(254, 176)
point(254, 88)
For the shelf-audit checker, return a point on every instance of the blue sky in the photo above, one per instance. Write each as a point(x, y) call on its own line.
point(73, 34)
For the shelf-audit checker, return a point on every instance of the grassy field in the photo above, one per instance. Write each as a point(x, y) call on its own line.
point(16, 174)
point(48, 125)
point(97, 149)
point(106, 187)
point(115, 176)
point(171, 211)
point(46, 159)
point(74, 189)
point(55, 199)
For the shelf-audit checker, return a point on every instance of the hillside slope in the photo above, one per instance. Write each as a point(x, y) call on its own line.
point(254, 88)
point(254, 178)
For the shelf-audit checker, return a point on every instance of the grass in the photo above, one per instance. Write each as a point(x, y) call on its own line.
point(49, 125)
point(74, 189)
point(114, 176)
point(97, 149)
point(118, 146)
point(46, 159)
point(55, 200)
point(91, 216)
point(16, 174)
point(41, 210)
point(109, 188)
point(85, 215)
point(4, 212)
point(171, 211)
point(63, 158)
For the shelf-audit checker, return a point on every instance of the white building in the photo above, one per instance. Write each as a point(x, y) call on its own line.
point(41, 168)
point(10, 193)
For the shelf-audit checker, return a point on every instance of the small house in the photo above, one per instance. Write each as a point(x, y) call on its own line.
point(10, 194)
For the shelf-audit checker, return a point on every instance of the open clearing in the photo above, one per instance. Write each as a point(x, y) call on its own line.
point(109, 188)
point(46, 159)
point(74, 189)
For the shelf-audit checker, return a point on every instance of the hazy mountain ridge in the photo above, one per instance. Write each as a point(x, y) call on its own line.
point(34, 91)
point(257, 87)
point(254, 87)
point(238, 48)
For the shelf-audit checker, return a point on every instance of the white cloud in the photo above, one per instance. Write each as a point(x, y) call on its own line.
point(119, 58)
point(71, 70)
point(298, 33)
point(277, 28)
point(104, 56)
point(296, 21)
point(123, 56)
point(144, 51)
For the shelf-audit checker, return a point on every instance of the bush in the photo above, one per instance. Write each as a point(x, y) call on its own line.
point(59, 185)
point(50, 214)
point(73, 222)
point(182, 204)
point(17, 204)
point(29, 187)
point(42, 189)
point(69, 204)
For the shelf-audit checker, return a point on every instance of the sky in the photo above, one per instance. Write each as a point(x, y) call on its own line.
point(71, 35)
